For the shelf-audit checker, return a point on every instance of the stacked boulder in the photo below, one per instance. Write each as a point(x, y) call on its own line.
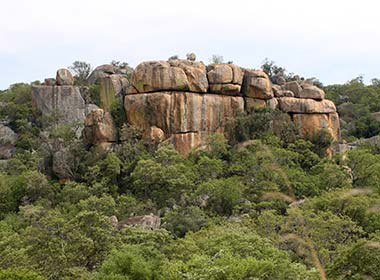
point(112, 81)
point(308, 108)
point(173, 96)
point(99, 129)
point(185, 101)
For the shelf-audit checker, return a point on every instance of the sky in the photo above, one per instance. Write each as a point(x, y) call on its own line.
point(333, 40)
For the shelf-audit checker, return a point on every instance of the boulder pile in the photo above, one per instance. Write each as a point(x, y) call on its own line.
point(184, 101)
point(188, 101)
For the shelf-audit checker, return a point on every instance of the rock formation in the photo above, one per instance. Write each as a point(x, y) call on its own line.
point(188, 101)
point(112, 81)
point(183, 101)
point(65, 102)
point(99, 128)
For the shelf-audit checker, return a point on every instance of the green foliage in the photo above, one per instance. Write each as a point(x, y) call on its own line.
point(82, 70)
point(216, 59)
point(356, 104)
point(118, 113)
point(182, 220)
point(263, 204)
point(222, 194)
point(95, 94)
point(132, 262)
point(361, 261)
point(13, 274)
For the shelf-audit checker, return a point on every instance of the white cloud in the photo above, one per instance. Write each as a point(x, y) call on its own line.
point(334, 40)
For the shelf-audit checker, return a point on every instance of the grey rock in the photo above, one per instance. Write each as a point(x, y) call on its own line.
point(8, 140)
point(66, 101)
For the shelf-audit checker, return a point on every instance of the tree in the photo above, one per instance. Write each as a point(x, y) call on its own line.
point(216, 59)
point(82, 70)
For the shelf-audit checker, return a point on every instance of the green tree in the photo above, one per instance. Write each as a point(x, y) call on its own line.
point(82, 70)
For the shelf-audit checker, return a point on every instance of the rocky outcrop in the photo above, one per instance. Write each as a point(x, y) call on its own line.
point(65, 101)
point(182, 101)
point(99, 128)
point(185, 101)
point(8, 140)
point(172, 75)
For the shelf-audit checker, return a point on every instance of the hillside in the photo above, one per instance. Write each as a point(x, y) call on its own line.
point(181, 170)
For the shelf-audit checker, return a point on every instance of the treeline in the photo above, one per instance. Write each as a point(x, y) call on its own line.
point(258, 206)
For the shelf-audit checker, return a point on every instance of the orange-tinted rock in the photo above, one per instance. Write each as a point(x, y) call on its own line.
point(256, 84)
point(228, 89)
point(294, 87)
point(154, 135)
point(254, 104)
point(310, 124)
point(185, 142)
point(99, 128)
point(306, 106)
point(312, 92)
point(176, 75)
point(185, 117)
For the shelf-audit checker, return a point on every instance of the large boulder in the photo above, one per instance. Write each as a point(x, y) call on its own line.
point(64, 78)
point(101, 71)
point(225, 78)
point(172, 75)
point(185, 118)
point(312, 92)
point(8, 140)
point(111, 79)
point(294, 87)
point(306, 106)
point(310, 124)
point(66, 101)
point(99, 128)
point(257, 84)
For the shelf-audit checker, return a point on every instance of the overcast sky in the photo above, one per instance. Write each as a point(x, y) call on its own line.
point(334, 40)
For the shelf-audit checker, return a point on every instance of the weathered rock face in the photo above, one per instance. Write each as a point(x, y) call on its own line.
point(64, 78)
point(172, 75)
point(8, 140)
point(309, 124)
point(99, 128)
point(66, 101)
point(225, 78)
point(312, 92)
point(182, 101)
point(177, 113)
point(257, 85)
point(306, 106)
point(112, 80)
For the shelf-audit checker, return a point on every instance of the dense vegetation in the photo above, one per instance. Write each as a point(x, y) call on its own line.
point(358, 106)
point(259, 206)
